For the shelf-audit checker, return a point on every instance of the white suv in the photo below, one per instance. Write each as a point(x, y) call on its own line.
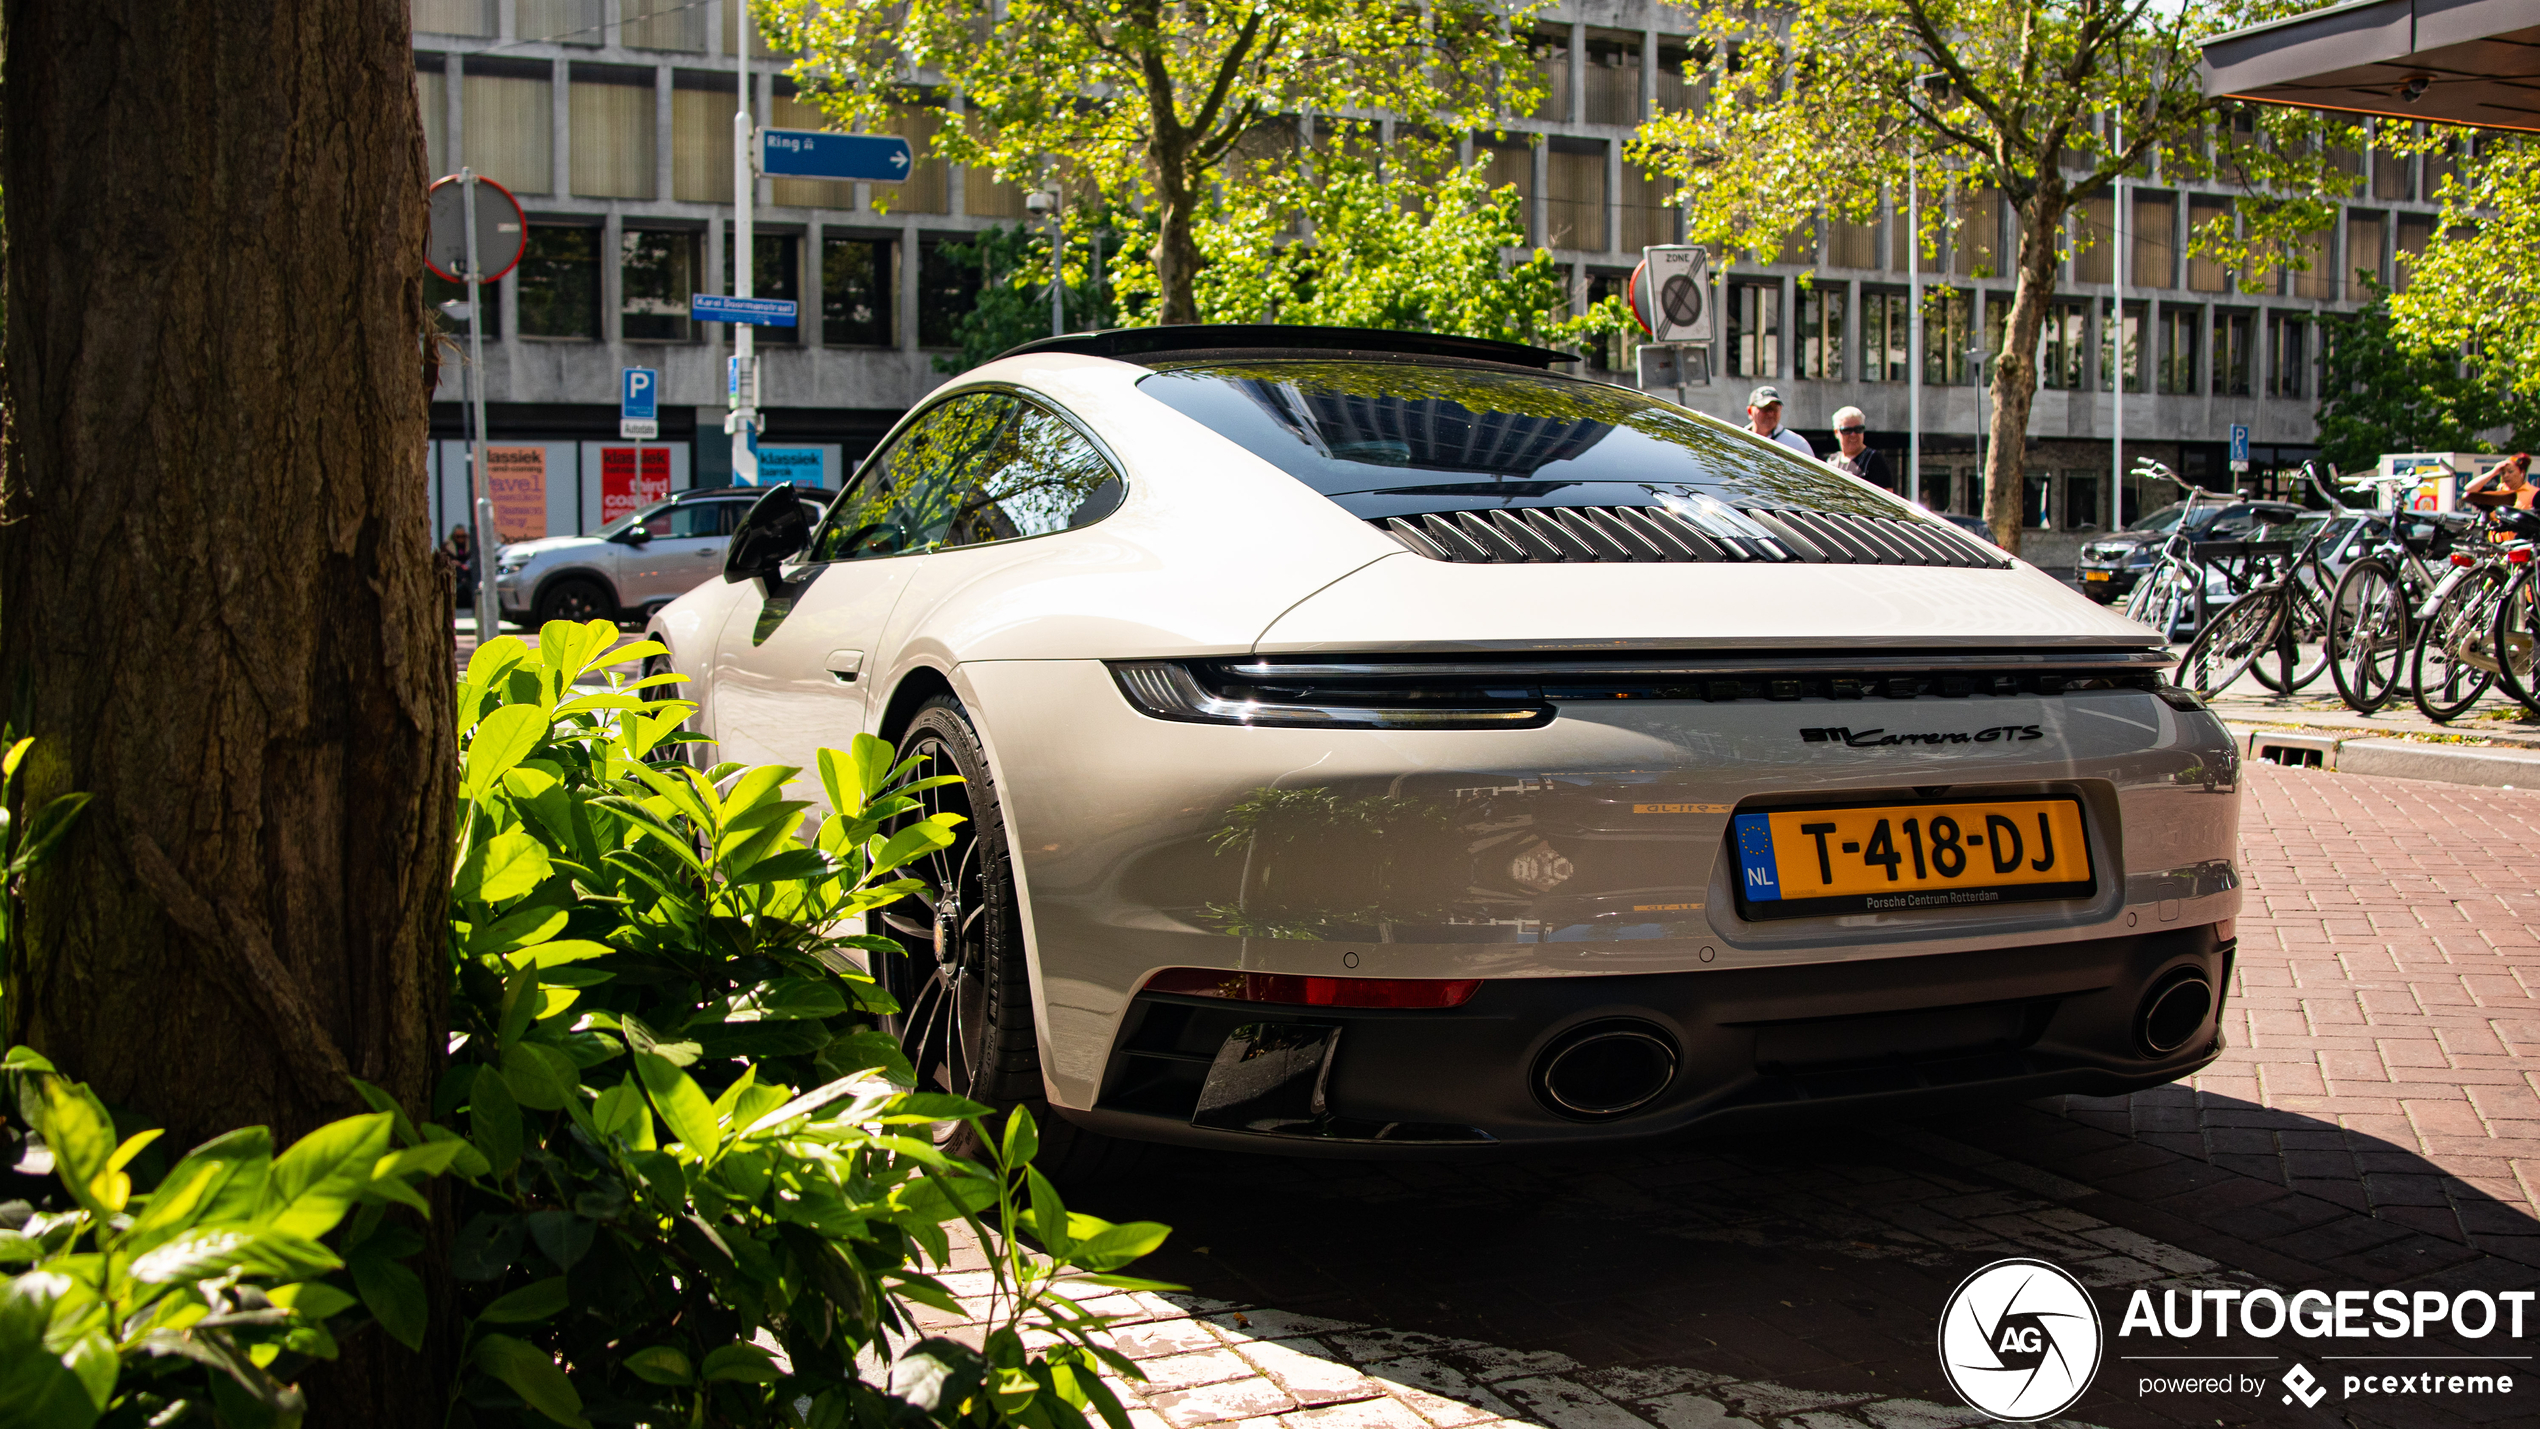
point(629, 567)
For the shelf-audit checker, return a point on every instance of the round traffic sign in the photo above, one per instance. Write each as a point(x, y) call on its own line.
point(502, 230)
point(1637, 295)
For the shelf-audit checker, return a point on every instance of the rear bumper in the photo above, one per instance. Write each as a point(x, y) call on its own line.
point(1754, 1046)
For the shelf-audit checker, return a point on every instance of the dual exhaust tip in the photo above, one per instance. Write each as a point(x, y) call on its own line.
point(1613, 1067)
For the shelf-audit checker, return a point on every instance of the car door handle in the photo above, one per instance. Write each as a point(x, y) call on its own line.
point(845, 665)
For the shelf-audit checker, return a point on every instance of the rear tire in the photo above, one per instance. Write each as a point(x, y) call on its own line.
point(2221, 652)
point(2517, 641)
point(575, 598)
point(2368, 635)
point(2447, 682)
point(961, 979)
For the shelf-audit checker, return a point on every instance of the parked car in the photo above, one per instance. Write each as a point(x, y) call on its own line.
point(1376, 741)
point(633, 565)
point(2111, 564)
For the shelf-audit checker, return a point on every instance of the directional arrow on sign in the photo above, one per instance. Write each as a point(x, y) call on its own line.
point(818, 154)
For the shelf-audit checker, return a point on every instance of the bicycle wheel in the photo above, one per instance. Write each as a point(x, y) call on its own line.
point(2165, 595)
point(2246, 629)
point(2368, 635)
point(2300, 655)
point(2452, 664)
point(2516, 639)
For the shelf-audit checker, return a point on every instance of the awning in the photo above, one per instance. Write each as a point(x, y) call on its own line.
point(2449, 61)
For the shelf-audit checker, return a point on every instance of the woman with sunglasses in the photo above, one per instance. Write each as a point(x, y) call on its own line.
point(1854, 455)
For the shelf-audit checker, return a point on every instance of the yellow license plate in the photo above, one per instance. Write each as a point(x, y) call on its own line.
point(1876, 858)
point(2096, 575)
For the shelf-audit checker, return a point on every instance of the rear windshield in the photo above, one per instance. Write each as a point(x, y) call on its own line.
point(1402, 439)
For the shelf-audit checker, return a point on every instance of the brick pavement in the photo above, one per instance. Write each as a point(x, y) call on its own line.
point(2373, 1125)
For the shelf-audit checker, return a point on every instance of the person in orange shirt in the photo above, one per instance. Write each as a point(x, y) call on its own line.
point(2512, 475)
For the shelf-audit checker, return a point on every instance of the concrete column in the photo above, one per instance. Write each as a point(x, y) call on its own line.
point(1786, 358)
point(910, 269)
point(1848, 365)
point(612, 280)
point(1648, 74)
point(560, 108)
point(958, 189)
point(506, 19)
point(664, 135)
point(454, 125)
point(612, 24)
point(1578, 73)
point(810, 334)
point(1540, 177)
point(711, 281)
point(1613, 196)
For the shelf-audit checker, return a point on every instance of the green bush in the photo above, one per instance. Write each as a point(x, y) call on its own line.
point(694, 1185)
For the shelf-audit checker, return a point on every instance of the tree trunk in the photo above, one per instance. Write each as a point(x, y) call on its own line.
point(219, 611)
point(2015, 374)
point(1176, 251)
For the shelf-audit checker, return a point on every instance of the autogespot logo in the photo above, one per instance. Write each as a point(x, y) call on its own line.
point(2019, 1340)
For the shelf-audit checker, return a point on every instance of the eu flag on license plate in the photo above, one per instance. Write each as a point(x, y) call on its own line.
point(1755, 857)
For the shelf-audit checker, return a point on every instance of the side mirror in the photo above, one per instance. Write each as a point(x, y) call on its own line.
point(635, 536)
point(774, 529)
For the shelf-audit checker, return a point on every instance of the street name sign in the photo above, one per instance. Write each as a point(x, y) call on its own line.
point(818, 154)
point(763, 312)
point(639, 404)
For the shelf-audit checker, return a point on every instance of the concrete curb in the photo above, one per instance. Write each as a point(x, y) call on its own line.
point(2492, 766)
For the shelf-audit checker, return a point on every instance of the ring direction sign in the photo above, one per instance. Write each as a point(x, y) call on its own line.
point(818, 154)
point(764, 312)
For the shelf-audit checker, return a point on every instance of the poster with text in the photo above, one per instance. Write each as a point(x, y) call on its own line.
point(516, 479)
point(622, 489)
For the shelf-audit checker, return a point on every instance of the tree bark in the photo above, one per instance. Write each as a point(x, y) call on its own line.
point(1176, 250)
point(219, 612)
point(2015, 373)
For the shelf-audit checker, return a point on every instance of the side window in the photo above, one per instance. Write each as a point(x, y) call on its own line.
point(1046, 477)
point(704, 518)
point(910, 495)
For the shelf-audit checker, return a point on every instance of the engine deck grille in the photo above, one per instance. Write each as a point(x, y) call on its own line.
point(1524, 534)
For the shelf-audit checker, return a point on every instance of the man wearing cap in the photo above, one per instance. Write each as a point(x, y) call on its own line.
point(1764, 419)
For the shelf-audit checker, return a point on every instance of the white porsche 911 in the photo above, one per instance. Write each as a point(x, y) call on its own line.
point(1378, 741)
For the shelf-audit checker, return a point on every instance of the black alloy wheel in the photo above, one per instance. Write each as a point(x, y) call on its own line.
point(575, 598)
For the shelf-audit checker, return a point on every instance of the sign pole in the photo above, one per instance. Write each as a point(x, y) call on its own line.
point(2116, 381)
point(489, 614)
point(741, 390)
point(1914, 332)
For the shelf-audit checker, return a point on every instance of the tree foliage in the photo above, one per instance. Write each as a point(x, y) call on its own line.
point(1817, 106)
point(2380, 393)
point(1146, 103)
point(2472, 288)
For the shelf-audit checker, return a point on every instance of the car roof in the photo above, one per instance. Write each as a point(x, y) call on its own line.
point(1182, 342)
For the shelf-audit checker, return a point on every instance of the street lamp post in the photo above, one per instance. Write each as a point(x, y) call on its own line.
point(1914, 312)
point(741, 385)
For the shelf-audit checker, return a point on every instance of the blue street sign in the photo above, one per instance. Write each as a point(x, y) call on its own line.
point(763, 312)
point(815, 154)
point(2239, 445)
point(638, 394)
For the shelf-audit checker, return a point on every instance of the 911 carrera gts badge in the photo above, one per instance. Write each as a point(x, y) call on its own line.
point(1872, 738)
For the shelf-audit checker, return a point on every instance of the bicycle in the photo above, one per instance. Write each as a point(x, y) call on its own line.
point(2286, 616)
point(2374, 610)
point(2176, 582)
point(2515, 642)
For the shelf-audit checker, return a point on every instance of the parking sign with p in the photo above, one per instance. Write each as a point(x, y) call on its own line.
point(639, 404)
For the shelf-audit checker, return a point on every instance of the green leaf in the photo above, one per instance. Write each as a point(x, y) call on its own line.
point(313, 1184)
point(1113, 1246)
point(393, 1294)
point(653, 824)
point(519, 928)
point(429, 1159)
point(684, 1108)
point(913, 842)
point(312, 1299)
point(558, 953)
point(50, 826)
point(494, 657)
point(539, 1077)
point(1049, 1215)
point(1022, 1139)
point(37, 1391)
point(792, 865)
point(218, 1181)
point(502, 739)
point(25, 1059)
point(215, 1250)
point(743, 1361)
point(82, 1139)
point(532, 1374)
point(538, 1300)
point(623, 1113)
point(660, 1364)
point(502, 868)
point(493, 1120)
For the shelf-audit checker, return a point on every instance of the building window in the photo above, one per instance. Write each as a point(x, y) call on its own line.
point(1821, 332)
point(2081, 501)
point(1649, 210)
point(1755, 329)
point(1613, 81)
point(929, 185)
point(2180, 324)
point(432, 103)
point(1614, 352)
point(2363, 255)
point(662, 25)
point(701, 139)
point(564, 22)
point(1977, 239)
point(613, 136)
point(1886, 334)
point(2154, 262)
point(2130, 334)
point(984, 195)
point(1577, 199)
point(2037, 498)
point(859, 292)
point(508, 127)
point(2064, 345)
point(2288, 353)
point(2391, 176)
point(947, 289)
point(775, 272)
point(1510, 166)
point(454, 17)
point(787, 112)
point(2232, 334)
point(2416, 231)
point(2317, 279)
point(2094, 239)
point(559, 282)
point(1851, 245)
point(1552, 70)
point(1674, 91)
point(656, 273)
point(1948, 331)
point(2204, 275)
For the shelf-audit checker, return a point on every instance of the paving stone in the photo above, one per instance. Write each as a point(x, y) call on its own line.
point(1378, 1413)
point(1247, 1398)
point(1566, 1404)
point(1309, 1378)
